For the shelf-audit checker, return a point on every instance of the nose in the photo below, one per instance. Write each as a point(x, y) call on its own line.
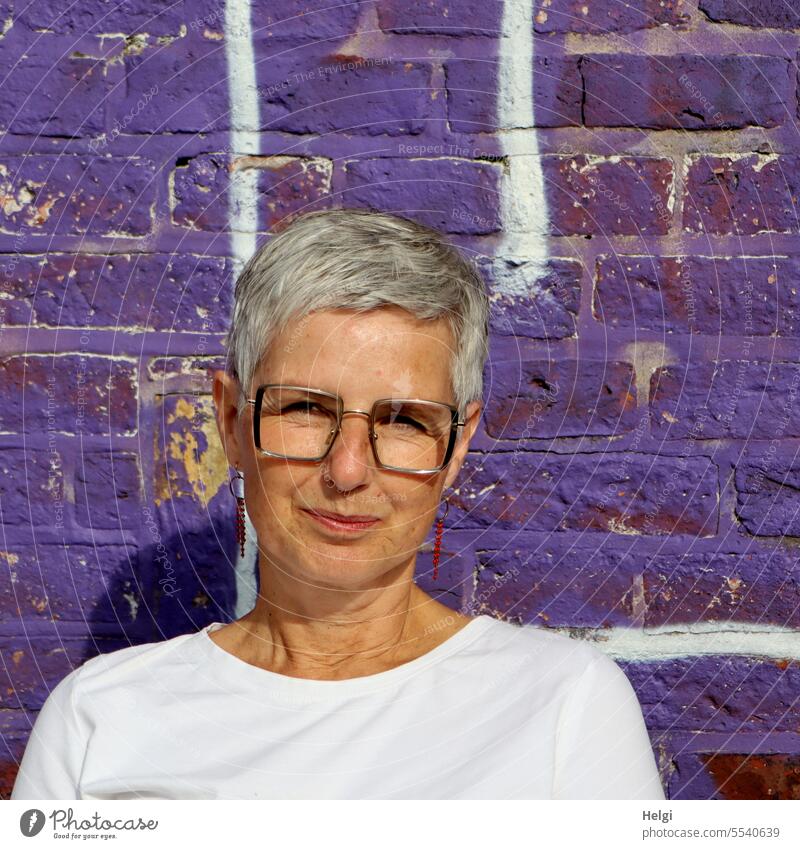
point(348, 457)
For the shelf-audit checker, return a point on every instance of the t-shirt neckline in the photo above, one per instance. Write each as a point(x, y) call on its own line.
point(265, 679)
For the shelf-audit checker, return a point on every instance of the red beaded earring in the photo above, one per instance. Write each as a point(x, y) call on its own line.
point(238, 493)
point(437, 545)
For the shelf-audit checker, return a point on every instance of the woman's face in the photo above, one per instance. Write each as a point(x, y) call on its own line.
point(361, 357)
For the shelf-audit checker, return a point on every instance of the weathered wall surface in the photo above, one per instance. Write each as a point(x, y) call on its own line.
point(626, 177)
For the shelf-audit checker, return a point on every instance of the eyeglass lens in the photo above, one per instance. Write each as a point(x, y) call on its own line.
point(300, 423)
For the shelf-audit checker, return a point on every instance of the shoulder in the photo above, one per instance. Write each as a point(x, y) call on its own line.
point(544, 652)
point(132, 665)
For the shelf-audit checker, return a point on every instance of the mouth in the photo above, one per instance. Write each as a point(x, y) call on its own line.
point(339, 522)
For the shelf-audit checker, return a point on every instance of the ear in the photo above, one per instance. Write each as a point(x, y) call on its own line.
point(473, 416)
point(226, 397)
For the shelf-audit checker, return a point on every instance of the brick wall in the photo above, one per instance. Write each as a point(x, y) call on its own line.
point(626, 176)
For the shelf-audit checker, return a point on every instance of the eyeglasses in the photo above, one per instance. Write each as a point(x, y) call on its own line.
point(406, 434)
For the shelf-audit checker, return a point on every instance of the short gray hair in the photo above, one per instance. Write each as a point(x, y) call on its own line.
point(359, 259)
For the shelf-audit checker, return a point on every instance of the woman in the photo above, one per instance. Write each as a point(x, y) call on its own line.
point(353, 389)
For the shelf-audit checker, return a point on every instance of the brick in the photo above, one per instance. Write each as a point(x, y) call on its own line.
point(72, 583)
point(550, 588)
point(630, 494)
point(752, 194)
point(108, 491)
point(608, 195)
point(556, 398)
point(32, 488)
point(754, 13)
point(102, 16)
point(452, 195)
point(199, 368)
point(175, 87)
point(318, 20)
point(285, 185)
point(592, 17)
point(767, 480)
point(304, 91)
point(48, 88)
point(691, 92)
point(699, 294)
point(76, 194)
point(761, 588)
point(190, 464)
point(473, 88)
point(69, 393)
point(735, 775)
point(175, 292)
point(536, 300)
point(732, 398)
point(717, 694)
point(456, 18)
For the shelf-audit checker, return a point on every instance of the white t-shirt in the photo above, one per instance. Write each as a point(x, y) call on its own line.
point(497, 711)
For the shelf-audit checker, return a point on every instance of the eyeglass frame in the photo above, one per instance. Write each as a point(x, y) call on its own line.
point(448, 454)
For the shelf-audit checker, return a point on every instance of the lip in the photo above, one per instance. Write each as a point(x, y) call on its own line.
point(335, 521)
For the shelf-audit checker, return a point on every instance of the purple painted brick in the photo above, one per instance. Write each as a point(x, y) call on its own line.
point(71, 393)
point(608, 195)
point(76, 195)
point(455, 18)
point(452, 195)
point(767, 481)
point(108, 490)
point(735, 775)
point(532, 299)
point(756, 587)
point(71, 584)
point(305, 91)
point(32, 488)
point(285, 185)
point(754, 194)
point(580, 588)
point(629, 493)
point(473, 85)
point(553, 398)
point(103, 16)
point(713, 693)
point(699, 294)
point(313, 19)
point(48, 89)
point(685, 92)
point(754, 13)
point(178, 87)
point(732, 398)
point(158, 291)
point(200, 369)
point(607, 15)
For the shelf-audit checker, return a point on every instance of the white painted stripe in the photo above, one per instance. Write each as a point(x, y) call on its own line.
point(701, 639)
point(523, 203)
point(243, 212)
